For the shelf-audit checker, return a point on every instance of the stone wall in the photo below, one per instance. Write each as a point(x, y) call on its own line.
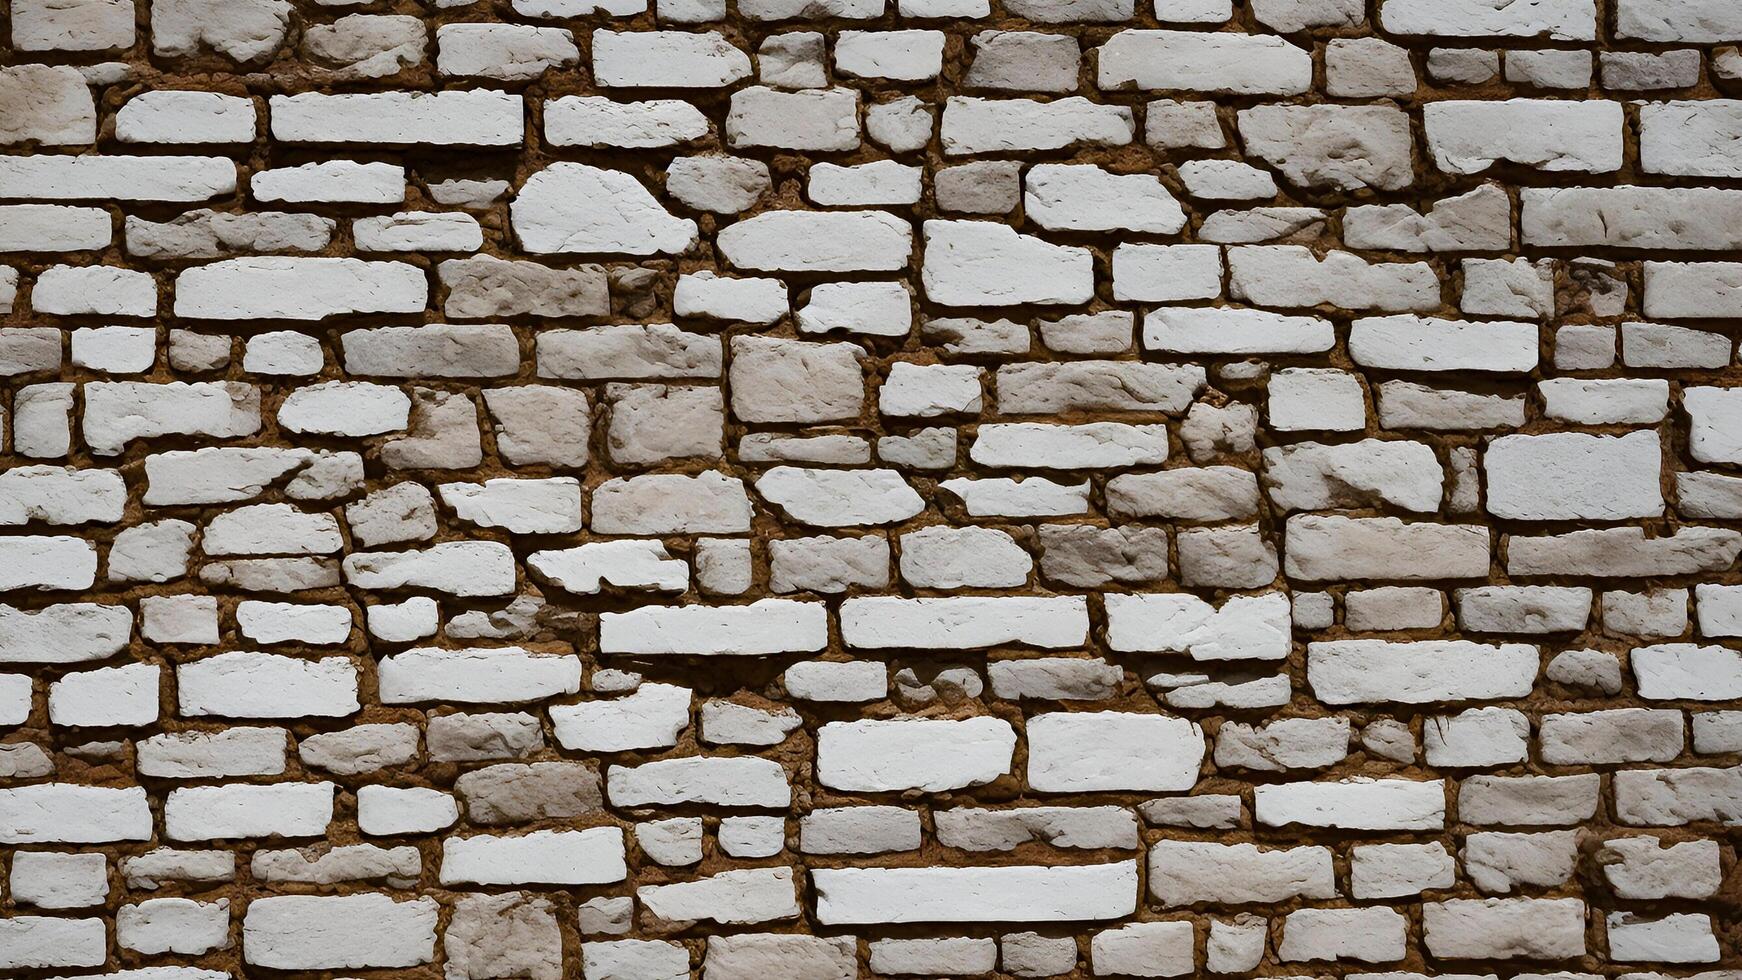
point(828, 488)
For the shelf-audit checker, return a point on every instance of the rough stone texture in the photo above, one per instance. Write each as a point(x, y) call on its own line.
point(811, 489)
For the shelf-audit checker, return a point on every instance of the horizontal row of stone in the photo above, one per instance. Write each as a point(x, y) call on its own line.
point(375, 930)
point(1007, 269)
point(188, 27)
point(1172, 750)
point(1340, 671)
point(1629, 217)
point(1677, 138)
point(873, 756)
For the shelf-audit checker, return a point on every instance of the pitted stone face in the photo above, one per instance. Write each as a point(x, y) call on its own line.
point(810, 489)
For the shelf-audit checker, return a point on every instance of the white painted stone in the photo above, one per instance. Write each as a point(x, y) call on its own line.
point(307, 932)
point(818, 241)
point(978, 263)
point(963, 622)
point(548, 506)
point(1685, 21)
point(1573, 476)
point(1078, 197)
point(762, 627)
point(666, 59)
point(481, 675)
point(1219, 330)
point(555, 857)
point(238, 810)
point(1550, 135)
point(298, 288)
point(185, 117)
point(1423, 671)
point(392, 811)
point(1235, 64)
point(331, 180)
point(573, 207)
point(108, 696)
point(1092, 751)
point(1092, 445)
point(1016, 893)
point(651, 717)
point(1558, 20)
point(972, 125)
point(461, 568)
point(716, 781)
point(66, 813)
point(60, 177)
point(1243, 628)
point(883, 309)
point(266, 685)
point(1411, 343)
point(586, 569)
point(477, 117)
point(931, 755)
point(737, 897)
point(1353, 804)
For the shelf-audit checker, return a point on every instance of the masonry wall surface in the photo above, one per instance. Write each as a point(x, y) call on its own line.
point(808, 489)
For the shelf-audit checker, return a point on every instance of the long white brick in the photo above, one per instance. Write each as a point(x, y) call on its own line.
point(119, 178)
point(929, 754)
point(1413, 343)
point(36, 941)
point(972, 125)
point(1679, 21)
point(718, 781)
point(981, 263)
point(737, 897)
point(1422, 671)
point(763, 627)
point(478, 117)
point(1094, 751)
point(118, 412)
point(310, 932)
point(1557, 20)
point(64, 632)
point(480, 675)
point(47, 562)
point(1243, 628)
point(1691, 138)
point(963, 622)
point(267, 685)
point(240, 810)
point(1016, 893)
point(1353, 804)
point(1214, 330)
point(1692, 671)
point(1237, 64)
point(555, 857)
point(298, 288)
point(70, 814)
point(1467, 137)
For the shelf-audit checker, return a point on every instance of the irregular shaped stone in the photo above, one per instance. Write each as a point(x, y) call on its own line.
point(46, 104)
point(573, 207)
point(243, 30)
point(1344, 147)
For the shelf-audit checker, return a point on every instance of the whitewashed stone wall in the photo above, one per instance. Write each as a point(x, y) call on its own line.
point(807, 489)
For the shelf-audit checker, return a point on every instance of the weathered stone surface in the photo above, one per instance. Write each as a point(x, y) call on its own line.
point(511, 934)
point(243, 30)
point(48, 105)
point(484, 286)
point(1345, 147)
point(571, 207)
point(806, 489)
